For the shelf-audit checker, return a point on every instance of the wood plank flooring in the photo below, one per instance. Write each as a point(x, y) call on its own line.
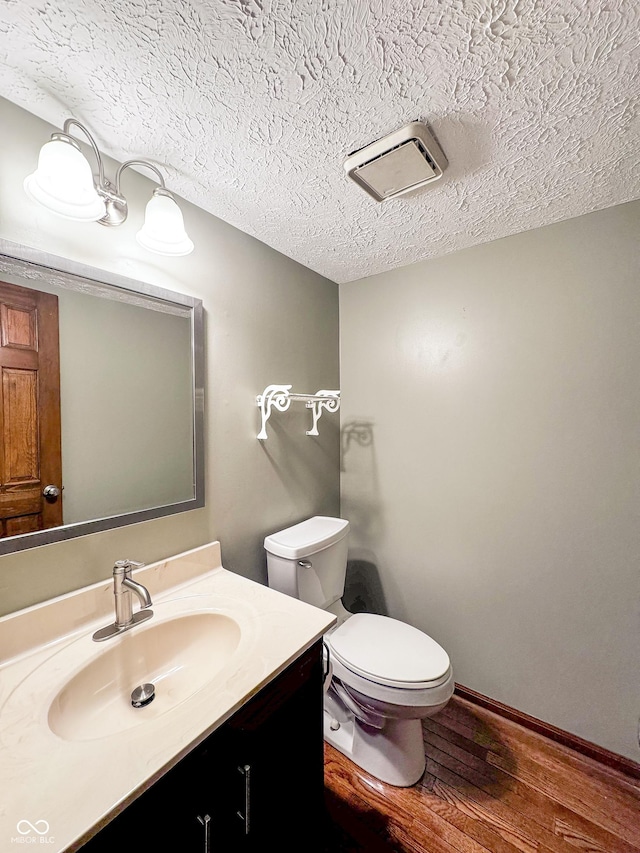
point(490, 785)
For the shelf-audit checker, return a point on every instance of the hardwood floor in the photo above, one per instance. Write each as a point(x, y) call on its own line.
point(490, 785)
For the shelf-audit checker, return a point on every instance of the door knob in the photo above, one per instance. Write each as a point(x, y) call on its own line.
point(51, 492)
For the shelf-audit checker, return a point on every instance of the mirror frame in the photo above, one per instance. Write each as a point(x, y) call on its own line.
point(36, 265)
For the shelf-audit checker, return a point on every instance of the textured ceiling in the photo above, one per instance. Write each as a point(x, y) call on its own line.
point(253, 105)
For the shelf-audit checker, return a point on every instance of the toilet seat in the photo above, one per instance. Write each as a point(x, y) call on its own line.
point(389, 653)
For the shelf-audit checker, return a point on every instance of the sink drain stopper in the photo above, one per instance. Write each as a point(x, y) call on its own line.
point(142, 695)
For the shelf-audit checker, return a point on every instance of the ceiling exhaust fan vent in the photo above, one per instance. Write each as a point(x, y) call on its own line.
point(403, 161)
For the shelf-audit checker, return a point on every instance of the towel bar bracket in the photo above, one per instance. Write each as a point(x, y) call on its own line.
point(280, 397)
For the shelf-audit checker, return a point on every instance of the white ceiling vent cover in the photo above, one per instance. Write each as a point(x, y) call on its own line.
point(399, 163)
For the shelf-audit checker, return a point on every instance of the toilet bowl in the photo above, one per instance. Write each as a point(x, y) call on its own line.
point(383, 675)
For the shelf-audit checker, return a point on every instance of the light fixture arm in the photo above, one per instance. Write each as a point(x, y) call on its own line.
point(116, 204)
point(129, 163)
point(65, 131)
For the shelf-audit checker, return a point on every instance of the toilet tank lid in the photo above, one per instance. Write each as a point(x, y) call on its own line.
point(307, 537)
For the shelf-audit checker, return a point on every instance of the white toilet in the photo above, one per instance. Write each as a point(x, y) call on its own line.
point(385, 676)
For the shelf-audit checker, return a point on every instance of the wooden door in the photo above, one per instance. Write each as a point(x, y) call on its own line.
point(29, 410)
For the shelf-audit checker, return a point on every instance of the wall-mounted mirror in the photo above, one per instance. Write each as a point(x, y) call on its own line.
point(101, 400)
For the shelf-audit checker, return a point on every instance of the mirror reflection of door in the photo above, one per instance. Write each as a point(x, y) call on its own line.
point(31, 459)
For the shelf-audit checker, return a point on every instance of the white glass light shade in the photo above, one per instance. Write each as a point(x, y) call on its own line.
point(163, 230)
point(63, 183)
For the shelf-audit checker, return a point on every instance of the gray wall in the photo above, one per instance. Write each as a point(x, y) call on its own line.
point(496, 506)
point(268, 320)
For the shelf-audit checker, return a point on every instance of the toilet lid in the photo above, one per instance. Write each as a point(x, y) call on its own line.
point(388, 651)
point(306, 538)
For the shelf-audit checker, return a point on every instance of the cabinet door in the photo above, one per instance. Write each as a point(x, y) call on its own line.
point(191, 809)
point(278, 739)
point(223, 793)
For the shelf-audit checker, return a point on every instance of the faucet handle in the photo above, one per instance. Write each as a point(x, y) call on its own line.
point(127, 564)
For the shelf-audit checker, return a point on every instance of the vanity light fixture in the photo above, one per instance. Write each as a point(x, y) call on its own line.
point(65, 185)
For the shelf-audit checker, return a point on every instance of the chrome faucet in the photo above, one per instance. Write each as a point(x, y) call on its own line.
point(123, 586)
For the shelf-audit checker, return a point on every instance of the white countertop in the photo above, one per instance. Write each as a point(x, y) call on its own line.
point(54, 791)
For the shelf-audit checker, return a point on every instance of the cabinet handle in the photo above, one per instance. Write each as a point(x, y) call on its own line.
point(326, 661)
point(205, 821)
point(246, 817)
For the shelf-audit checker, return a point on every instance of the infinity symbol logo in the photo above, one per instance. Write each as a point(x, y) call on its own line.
point(20, 827)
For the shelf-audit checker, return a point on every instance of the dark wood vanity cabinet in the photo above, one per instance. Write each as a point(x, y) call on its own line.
point(257, 779)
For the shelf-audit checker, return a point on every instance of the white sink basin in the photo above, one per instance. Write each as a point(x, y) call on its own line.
point(178, 656)
point(190, 643)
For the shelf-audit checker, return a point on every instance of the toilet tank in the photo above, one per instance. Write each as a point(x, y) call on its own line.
point(309, 560)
